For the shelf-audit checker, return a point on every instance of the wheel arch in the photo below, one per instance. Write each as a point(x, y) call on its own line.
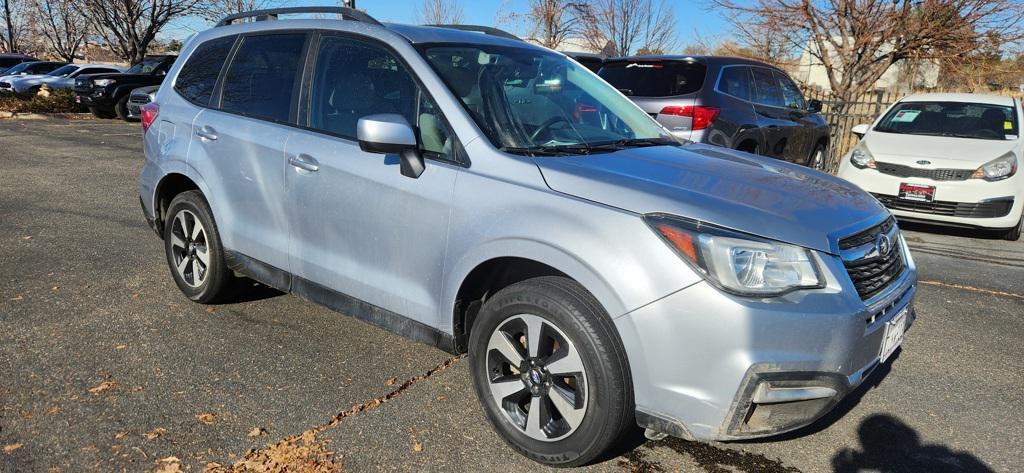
point(170, 185)
point(489, 274)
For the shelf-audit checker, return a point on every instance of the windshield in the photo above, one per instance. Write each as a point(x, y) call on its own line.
point(63, 71)
point(955, 119)
point(536, 102)
point(145, 67)
point(18, 68)
point(655, 78)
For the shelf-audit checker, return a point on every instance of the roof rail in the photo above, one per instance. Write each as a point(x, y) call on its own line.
point(481, 29)
point(272, 14)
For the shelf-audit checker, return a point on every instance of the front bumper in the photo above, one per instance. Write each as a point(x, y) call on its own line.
point(968, 203)
point(710, 366)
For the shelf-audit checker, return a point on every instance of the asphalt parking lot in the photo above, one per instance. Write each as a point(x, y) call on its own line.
point(105, 366)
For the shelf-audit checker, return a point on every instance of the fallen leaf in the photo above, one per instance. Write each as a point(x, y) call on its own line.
point(168, 465)
point(206, 418)
point(54, 410)
point(256, 432)
point(9, 449)
point(26, 237)
point(100, 388)
point(17, 298)
point(417, 447)
point(442, 397)
point(390, 381)
point(152, 434)
point(56, 287)
point(210, 310)
point(120, 435)
point(121, 347)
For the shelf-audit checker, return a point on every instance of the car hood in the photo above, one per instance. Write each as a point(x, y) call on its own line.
point(939, 150)
point(752, 194)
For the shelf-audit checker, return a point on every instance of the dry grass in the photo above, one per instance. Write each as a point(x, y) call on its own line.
point(58, 101)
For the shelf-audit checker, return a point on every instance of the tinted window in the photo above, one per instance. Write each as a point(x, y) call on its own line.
point(43, 67)
point(790, 92)
point(263, 75)
point(766, 87)
point(735, 81)
point(354, 79)
point(955, 119)
point(94, 70)
point(654, 78)
point(146, 66)
point(199, 75)
point(63, 70)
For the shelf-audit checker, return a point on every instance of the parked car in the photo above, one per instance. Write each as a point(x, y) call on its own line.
point(589, 60)
point(494, 197)
point(30, 68)
point(106, 95)
point(138, 99)
point(724, 101)
point(61, 78)
point(950, 159)
point(9, 60)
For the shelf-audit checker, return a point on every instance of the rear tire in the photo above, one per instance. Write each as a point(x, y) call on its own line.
point(551, 372)
point(193, 249)
point(121, 109)
point(1013, 234)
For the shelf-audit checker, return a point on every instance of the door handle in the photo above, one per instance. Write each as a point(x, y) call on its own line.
point(304, 162)
point(207, 133)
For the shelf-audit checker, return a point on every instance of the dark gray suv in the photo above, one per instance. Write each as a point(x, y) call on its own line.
point(725, 101)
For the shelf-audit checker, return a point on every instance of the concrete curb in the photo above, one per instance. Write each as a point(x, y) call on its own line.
point(44, 116)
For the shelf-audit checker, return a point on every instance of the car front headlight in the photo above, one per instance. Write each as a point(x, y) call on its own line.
point(861, 158)
point(738, 263)
point(997, 169)
point(103, 82)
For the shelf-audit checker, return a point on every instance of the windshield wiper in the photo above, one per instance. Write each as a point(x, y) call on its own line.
point(571, 150)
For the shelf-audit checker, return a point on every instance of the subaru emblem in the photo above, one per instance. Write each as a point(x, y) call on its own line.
point(883, 245)
point(924, 162)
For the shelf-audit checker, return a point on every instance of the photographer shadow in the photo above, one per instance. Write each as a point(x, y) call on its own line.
point(890, 445)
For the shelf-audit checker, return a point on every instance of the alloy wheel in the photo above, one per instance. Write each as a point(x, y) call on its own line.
point(536, 377)
point(190, 248)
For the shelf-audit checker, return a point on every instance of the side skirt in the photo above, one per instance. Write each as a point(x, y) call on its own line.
point(343, 303)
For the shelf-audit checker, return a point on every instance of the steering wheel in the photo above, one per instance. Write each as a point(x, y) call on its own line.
point(547, 125)
point(987, 133)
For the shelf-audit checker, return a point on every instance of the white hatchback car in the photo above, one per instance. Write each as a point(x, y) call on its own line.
point(950, 159)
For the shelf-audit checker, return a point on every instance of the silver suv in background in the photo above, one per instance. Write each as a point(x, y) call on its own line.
point(489, 196)
point(725, 101)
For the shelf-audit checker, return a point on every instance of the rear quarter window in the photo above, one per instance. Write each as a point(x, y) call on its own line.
point(198, 76)
point(263, 76)
point(655, 78)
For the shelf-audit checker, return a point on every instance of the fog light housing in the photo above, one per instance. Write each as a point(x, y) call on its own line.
point(776, 402)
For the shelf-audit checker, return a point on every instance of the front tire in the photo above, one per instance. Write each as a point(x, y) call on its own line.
point(551, 372)
point(121, 109)
point(1013, 234)
point(818, 158)
point(193, 249)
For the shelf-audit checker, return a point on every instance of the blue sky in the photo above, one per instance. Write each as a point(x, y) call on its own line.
point(693, 16)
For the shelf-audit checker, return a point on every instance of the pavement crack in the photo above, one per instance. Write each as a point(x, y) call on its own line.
point(973, 289)
point(304, 451)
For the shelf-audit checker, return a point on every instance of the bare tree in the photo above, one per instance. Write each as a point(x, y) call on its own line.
point(129, 26)
point(439, 12)
point(621, 27)
point(857, 41)
point(62, 26)
point(14, 25)
point(552, 22)
point(215, 10)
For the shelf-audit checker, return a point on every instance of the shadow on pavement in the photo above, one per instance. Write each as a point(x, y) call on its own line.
point(890, 445)
point(962, 232)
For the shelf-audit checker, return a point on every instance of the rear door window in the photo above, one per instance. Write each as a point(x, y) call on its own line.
point(198, 76)
point(767, 90)
point(735, 81)
point(654, 78)
point(263, 76)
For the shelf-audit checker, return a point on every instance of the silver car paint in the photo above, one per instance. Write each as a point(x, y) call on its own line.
point(407, 245)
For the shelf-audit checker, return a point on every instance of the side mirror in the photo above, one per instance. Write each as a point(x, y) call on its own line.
point(390, 133)
point(814, 106)
point(860, 130)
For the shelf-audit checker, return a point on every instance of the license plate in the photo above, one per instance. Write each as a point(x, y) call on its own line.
point(894, 330)
point(917, 192)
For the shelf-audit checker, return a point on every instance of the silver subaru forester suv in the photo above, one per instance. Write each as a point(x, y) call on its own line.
point(476, 192)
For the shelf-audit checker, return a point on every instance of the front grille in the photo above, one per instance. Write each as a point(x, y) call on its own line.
point(993, 208)
point(900, 170)
point(870, 270)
